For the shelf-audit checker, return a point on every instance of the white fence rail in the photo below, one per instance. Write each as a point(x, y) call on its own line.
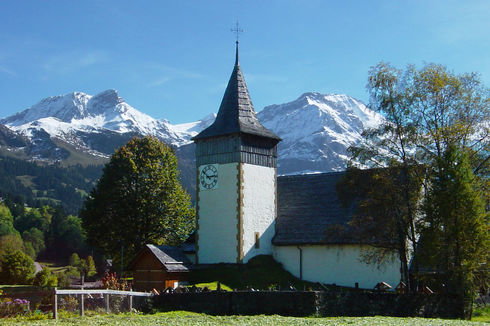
point(105, 293)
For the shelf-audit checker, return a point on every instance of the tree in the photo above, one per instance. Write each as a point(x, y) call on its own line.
point(74, 260)
point(16, 268)
point(429, 112)
point(36, 238)
point(90, 263)
point(6, 221)
point(45, 278)
point(458, 226)
point(138, 200)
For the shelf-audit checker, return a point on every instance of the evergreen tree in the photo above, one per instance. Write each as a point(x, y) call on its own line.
point(138, 200)
point(74, 260)
point(457, 237)
point(430, 113)
point(91, 269)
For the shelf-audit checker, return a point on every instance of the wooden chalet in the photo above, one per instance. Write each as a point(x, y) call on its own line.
point(159, 267)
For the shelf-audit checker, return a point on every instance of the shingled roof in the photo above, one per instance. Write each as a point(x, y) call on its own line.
point(236, 113)
point(310, 212)
point(172, 258)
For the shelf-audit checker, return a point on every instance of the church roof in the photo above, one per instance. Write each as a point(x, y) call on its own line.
point(236, 113)
point(310, 211)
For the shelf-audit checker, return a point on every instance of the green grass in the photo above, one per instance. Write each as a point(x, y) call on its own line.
point(261, 272)
point(190, 318)
point(482, 314)
point(213, 286)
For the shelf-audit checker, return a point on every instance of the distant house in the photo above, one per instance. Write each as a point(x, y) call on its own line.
point(159, 267)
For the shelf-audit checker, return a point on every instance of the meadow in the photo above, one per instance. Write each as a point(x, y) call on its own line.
point(189, 318)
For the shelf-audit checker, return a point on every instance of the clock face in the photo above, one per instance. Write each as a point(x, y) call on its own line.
point(208, 178)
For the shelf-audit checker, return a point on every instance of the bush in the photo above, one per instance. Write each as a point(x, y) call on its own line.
point(16, 268)
point(45, 278)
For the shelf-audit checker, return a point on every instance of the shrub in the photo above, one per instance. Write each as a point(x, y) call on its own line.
point(45, 278)
point(16, 268)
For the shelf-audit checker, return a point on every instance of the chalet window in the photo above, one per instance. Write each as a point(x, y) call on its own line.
point(257, 240)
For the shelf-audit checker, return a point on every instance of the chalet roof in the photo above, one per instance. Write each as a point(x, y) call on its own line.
point(310, 212)
point(236, 113)
point(172, 258)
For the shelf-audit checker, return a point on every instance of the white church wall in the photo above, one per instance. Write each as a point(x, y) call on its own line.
point(339, 264)
point(259, 209)
point(218, 220)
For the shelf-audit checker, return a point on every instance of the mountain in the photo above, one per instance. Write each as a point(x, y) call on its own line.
point(316, 130)
point(78, 128)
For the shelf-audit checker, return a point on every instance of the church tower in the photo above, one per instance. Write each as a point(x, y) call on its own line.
point(236, 160)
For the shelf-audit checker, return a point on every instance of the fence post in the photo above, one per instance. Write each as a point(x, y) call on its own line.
point(107, 307)
point(55, 305)
point(130, 301)
point(82, 312)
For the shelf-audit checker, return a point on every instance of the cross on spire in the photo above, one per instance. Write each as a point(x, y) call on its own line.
point(237, 30)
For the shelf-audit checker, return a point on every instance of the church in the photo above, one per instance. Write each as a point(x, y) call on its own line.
point(245, 209)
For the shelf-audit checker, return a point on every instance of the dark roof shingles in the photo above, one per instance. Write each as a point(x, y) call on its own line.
point(173, 258)
point(236, 113)
point(310, 212)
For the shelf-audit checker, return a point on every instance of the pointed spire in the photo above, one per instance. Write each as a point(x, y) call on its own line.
point(236, 113)
point(236, 54)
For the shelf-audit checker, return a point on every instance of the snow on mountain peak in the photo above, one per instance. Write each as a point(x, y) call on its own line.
point(317, 128)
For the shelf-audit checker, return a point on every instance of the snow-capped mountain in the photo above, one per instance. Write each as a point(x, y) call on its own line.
point(66, 116)
point(316, 130)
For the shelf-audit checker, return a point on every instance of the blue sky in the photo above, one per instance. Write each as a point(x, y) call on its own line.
point(172, 59)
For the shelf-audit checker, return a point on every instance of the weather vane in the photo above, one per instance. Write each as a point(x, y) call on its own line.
point(237, 30)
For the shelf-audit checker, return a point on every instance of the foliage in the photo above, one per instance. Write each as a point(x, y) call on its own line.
point(65, 235)
point(458, 225)
point(64, 277)
point(13, 307)
point(9, 243)
point(39, 185)
point(35, 237)
point(6, 221)
point(428, 112)
point(74, 260)
point(379, 219)
point(91, 269)
point(45, 278)
point(16, 268)
point(112, 282)
point(138, 200)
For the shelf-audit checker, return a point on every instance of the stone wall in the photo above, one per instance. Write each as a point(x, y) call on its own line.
point(310, 303)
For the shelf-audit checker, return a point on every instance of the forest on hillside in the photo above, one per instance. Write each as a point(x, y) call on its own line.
point(37, 185)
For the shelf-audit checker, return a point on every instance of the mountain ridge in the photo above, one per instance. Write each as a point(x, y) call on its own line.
point(316, 128)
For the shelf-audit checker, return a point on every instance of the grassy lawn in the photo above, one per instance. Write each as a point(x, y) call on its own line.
point(261, 272)
point(190, 318)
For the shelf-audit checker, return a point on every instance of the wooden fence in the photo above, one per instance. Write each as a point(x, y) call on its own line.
point(106, 293)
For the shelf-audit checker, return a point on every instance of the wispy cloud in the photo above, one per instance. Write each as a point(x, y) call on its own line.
point(166, 73)
point(73, 61)
point(7, 71)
